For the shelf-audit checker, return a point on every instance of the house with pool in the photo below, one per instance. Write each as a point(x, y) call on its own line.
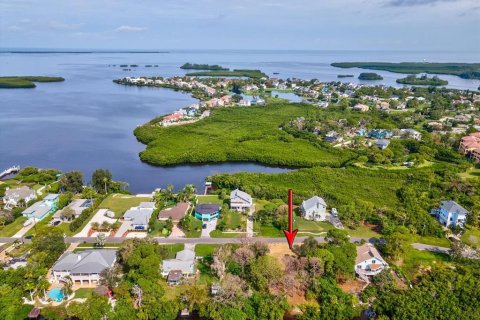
point(41, 209)
point(207, 211)
point(83, 267)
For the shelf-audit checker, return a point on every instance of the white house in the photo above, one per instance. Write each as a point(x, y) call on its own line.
point(13, 196)
point(140, 215)
point(84, 266)
point(184, 262)
point(314, 208)
point(240, 201)
point(450, 213)
point(369, 262)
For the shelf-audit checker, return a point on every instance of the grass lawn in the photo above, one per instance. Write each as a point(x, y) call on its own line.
point(203, 250)
point(220, 234)
point(235, 220)
point(195, 229)
point(211, 199)
point(20, 250)
point(83, 292)
point(267, 231)
point(119, 203)
point(12, 228)
point(363, 232)
point(414, 259)
point(66, 229)
point(40, 224)
point(172, 249)
point(471, 236)
point(433, 241)
point(470, 173)
point(311, 226)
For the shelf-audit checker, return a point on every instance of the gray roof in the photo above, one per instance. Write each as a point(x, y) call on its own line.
point(240, 194)
point(383, 142)
point(88, 261)
point(312, 202)
point(77, 206)
point(37, 210)
point(207, 208)
point(184, 261)
point(138, 215)
point(452, 206)
point(185, 255)
point(51, 196)
point(19, 193)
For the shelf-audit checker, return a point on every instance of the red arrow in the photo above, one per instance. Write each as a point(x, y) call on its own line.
point(290, 234)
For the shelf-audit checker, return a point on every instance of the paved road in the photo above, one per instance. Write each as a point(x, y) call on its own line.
point(298, 240)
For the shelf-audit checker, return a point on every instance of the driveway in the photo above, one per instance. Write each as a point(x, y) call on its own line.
point(250, 222)
point(211, 225)
point(177, 232)
point(126, 225)
point(335, 221)
point(98, 217)
point(24, 230)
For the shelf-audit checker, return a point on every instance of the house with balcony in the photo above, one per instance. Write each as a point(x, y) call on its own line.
point(207, 211)
point(13, 196)
point(450, 214)
point(41, 209)
point(240, 201)
point(369, 262)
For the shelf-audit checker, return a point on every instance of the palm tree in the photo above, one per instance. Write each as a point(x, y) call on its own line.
point(100, 240)
point(43, 285)
point(67, 285)
point(105, 180)
point(95, 225)
point(106, 226)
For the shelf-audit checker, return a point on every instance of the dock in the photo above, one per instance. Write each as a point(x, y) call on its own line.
point(9, 171)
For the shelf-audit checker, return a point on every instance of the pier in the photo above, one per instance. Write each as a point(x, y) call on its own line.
point(9, 171)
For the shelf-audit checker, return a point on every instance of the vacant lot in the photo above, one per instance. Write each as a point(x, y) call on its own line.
point(119, 203)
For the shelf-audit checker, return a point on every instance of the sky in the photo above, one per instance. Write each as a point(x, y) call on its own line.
point(446, 25)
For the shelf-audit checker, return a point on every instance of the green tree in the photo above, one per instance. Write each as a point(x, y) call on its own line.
point(72, 181)
point(101, 180)
point(264, 270)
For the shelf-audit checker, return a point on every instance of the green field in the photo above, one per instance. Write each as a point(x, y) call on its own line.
point(229, 73)
point(463, 70)
point(471, 236)
point(83, 293)
point(415, 259)
point(311, 227)
point(25, 82)
point(12, 228)
point(203, 250)
point(238, 134)
point(211, 199)
point(119, 203)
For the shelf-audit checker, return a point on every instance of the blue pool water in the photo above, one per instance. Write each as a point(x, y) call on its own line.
point(56, 294)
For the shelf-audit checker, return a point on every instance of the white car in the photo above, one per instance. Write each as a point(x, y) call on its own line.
point(334, 212)
point(28, 222)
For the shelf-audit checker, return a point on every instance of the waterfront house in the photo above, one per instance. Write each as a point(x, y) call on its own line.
point(240, 201)
point(83, 266)
point(77, 206)
point(207, 211)
point(13, 196)
point(314, 208)
point(379, 134)
point(450, 213)
point(382, 143)
point(140, 215)
point(369, 262)
point(174, 117)
point(176, 213)
point(41, 209)
point(184, 262)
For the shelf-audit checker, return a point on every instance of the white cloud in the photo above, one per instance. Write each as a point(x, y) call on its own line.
point(130, 29)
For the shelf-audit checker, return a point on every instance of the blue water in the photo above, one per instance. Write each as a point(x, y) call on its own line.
point(56, 294)
point(86, 122)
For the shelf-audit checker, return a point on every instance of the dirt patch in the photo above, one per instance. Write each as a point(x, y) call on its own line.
point(353, 286)
point(279, 250)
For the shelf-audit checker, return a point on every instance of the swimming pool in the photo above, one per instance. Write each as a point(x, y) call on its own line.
point(56, 294)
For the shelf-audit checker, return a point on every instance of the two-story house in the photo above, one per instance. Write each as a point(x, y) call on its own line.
point(314, 208)
point(450, 213)
point(13, 196)
point(240, 201)
point(369, 262)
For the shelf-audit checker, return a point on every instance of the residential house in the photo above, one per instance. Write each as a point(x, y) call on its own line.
point(380, 134)
point(207, 211)
point(83, 266)
point(333, 137)
point(171, 118)
point(140, 215)
point(174, 277)
point(322, 104)
point(13, 196)
point(77, 206)
point(314, 208)
point(470, 146)
point(369, 262)
point(244, 103)
point(240, 201)
point(257, 100)
point(41, 209)
point(450, 213)
point(184, 262)
point(361, 108)
point(176, 213)
point(382, 143)
point(410, 134)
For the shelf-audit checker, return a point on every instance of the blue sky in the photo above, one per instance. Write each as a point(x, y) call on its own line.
point(452, 25)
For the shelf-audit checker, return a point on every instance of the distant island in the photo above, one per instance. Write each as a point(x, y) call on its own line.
point(229, 73)
point(423, 80)
point(462, 70)
point(26, 81)
point(370, 76)
point(196, 66)
point(345, 76)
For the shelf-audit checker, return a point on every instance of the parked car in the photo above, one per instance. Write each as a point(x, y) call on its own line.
point(56, 223)
point(334, 212)
point(204, 226)
point(29, 237)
